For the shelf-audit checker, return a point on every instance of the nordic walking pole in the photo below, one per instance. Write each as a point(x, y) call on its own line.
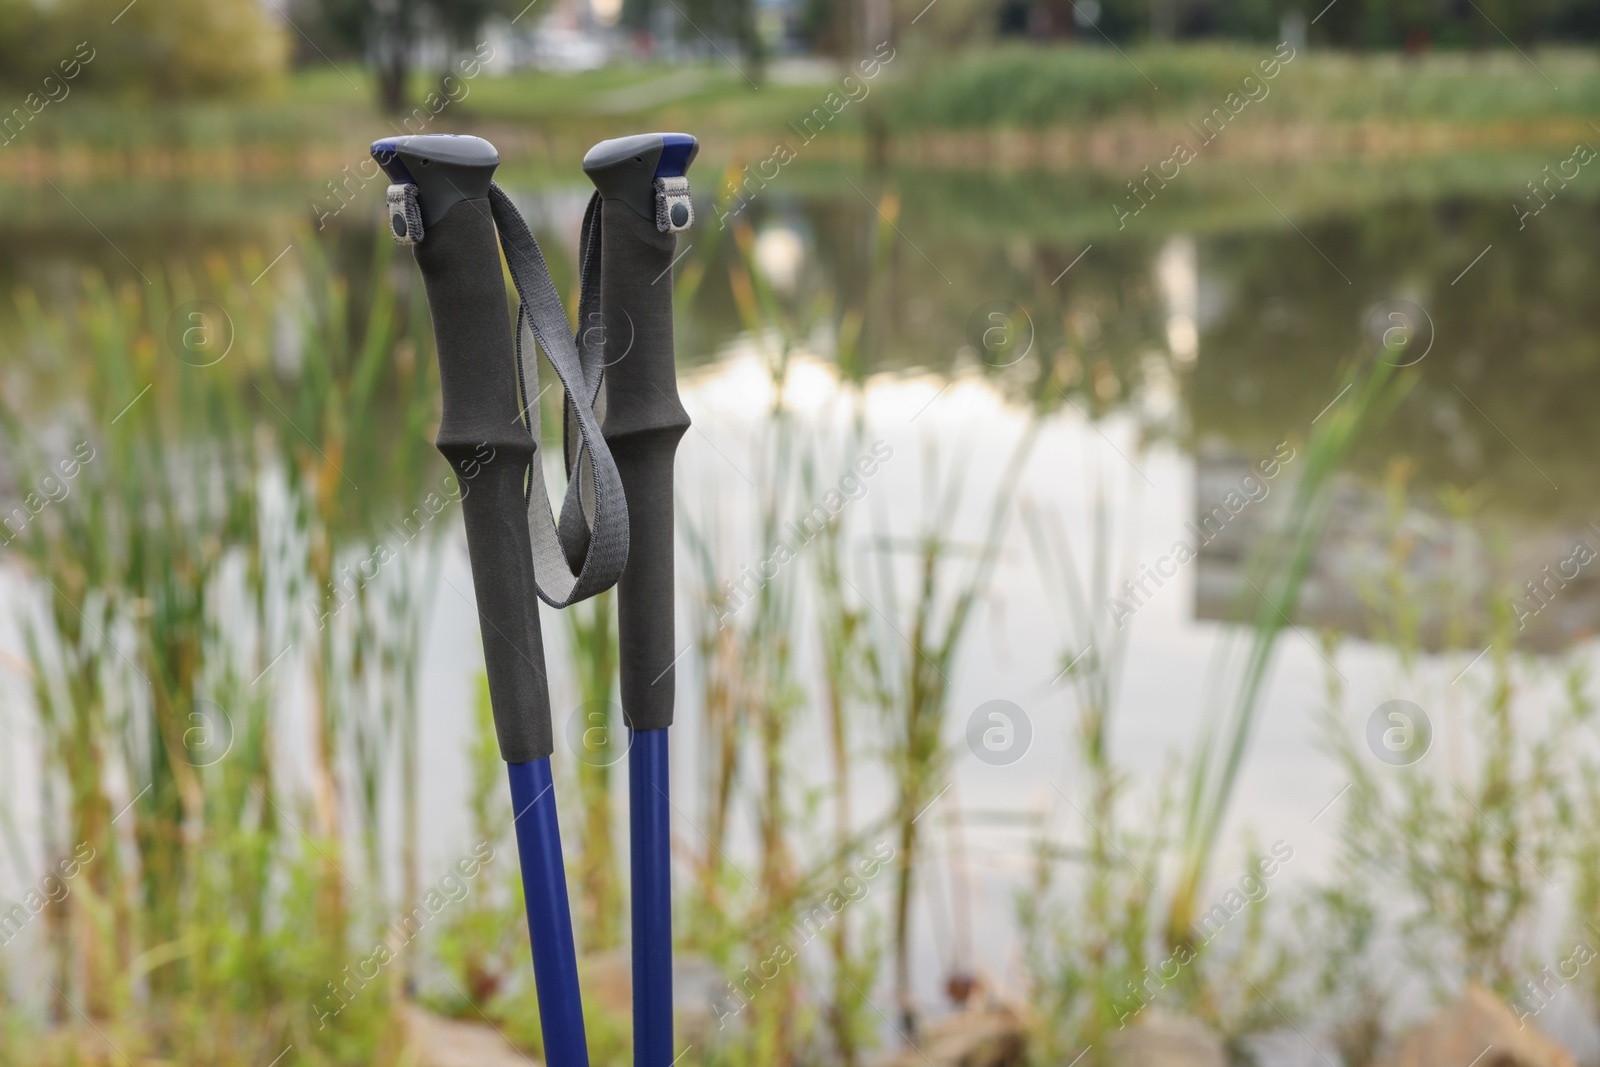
point(442, 203)
point(644, 202)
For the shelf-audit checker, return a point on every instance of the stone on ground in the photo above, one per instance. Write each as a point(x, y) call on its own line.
point(1160, 1039)
point(435, 1041)
point(1481, 1030)
point(981, 1036)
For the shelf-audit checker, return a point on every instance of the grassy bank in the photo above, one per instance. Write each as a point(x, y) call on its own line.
point(1067, 106)
point(1035, 88)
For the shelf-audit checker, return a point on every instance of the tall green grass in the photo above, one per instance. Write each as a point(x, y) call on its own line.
point(1273, 581)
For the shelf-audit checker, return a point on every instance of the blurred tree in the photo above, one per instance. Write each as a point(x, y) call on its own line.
point(1255, 20)
point(828, 27)
point(1163, 19)
point(388, 33)
point(384, 32)
point(954, 24)
point(1419, 24)
point(184, 47)
point(1520, 20)
point(1573, 20)
point(838, 27)
point(697, 23)
point(1413, 25)
point(639, 17)
point(461, 20)
point(1051, 19)
point(1121, 20)
point(23, 43)
point(728, 20)
point(172, 48)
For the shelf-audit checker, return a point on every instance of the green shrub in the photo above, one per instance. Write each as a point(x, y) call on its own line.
point(146, 50)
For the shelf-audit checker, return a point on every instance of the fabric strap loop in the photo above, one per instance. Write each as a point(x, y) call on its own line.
point(586, 553)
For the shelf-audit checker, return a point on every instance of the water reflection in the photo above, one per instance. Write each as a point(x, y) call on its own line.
point(1454, 573)
point(1226, 338)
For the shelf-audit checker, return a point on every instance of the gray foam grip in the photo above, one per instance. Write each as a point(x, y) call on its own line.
point(460, 262)
point(643, 423)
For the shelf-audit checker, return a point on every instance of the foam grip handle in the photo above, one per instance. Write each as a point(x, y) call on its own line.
point(644, 421)
point(486, 442)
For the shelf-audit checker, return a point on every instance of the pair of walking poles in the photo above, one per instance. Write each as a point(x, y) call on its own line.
point(622, 422)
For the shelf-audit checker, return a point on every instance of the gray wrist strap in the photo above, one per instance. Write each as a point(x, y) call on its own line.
point(578, 507)
point(589, 551)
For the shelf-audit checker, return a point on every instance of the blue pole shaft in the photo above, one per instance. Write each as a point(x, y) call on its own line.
point(650, 846)
point(544, 892)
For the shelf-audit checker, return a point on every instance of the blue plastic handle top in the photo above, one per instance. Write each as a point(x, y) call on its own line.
point(446, 168)
point(626, 168)
point(677, 152)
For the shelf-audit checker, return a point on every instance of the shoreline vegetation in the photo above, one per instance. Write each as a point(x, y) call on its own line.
point(1059, 108)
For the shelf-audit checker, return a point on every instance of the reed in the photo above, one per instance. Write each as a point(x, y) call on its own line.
point(1089, 961)
point(840, 625)
point(169, 582)
point(127, 562)
point(754, 693)
point(1273, 581)
point(915, 632)
point(482, 948)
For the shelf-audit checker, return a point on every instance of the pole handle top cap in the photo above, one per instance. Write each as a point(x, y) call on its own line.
point(446, 168)
point(626, 168)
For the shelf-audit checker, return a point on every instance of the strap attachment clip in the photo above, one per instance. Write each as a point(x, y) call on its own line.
point(405, 214)
point(674, 208)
